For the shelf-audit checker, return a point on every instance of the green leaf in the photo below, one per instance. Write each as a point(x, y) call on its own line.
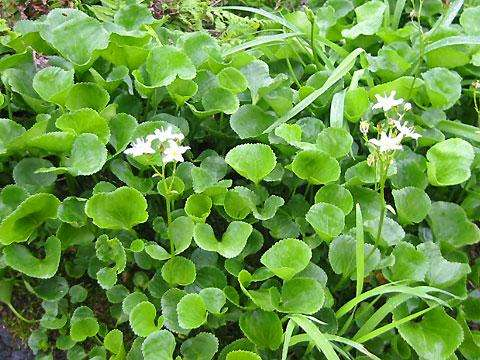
point(83, 324)
point(326, 219)
point(192, 311)
point(232, 79)
point(62, 25)
point(159, 345)
point(180, 231)
point(198, 207)
point(410, 263)
point(250, 121)
point(165, 63)
point(132, 300)
point(53, 84)
point(468, 20)
point(242, 355)
point(301, 296)
point(233, 240)
point(122, 128)
point(335, 142)
point(25, 175)
point(142, 319)
point(87, 95)
point(88, 155)
point(443, 87)
point(369, 19)
point(200, 347)
point(252, 161)
point(181, 90)
point(179, 270)
point(336, 195)
point(21, 259)
point(287, 257)
point(450, 225)
point(214, 299)
point(412, 204)
point(19, 225)
point(263, 328)
point(218, 100)
point(120, 209)
point(441, 272)
point(449, 162)
point(77, 294)
point(316, 167)
point(436, 336)
point(113, 341)
point(342, 256)
point(84, 121)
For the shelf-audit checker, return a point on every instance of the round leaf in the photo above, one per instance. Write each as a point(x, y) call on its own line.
point(120, 209)
point(287, 257)
point(252, 161)
point(179, 270)
point(327, 220)
point(192, 311)
point(315, 167)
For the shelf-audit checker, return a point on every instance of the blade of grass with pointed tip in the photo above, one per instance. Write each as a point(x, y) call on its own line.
point(419, 291)
point(448, 17)
point(380, 314)
point(359, 249)
point(393, 325)
point(261, 40)
point(264, 13)
point(342, 69)
point(287, 337)
point(453, 40)
point(316, 336)
point(397, 13)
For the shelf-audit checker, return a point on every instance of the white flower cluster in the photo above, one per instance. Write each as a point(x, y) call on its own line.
point(164, 140)
point(391, 141)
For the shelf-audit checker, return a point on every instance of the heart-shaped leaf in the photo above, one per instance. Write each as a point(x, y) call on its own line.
point(233, 240)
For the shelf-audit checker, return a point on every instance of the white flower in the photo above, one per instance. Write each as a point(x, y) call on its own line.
point(407, 106)
point(387, 143)
point(387, 102)
point(174, 152)
point(140, 147)
point(165, 135)
point(406, 131)
point(364, 127)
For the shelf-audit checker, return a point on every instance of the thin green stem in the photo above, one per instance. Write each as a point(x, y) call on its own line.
point(384, 206)
point(18, 315)
point(293, 73)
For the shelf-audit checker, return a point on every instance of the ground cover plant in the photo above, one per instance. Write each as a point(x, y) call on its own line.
point(242, 182)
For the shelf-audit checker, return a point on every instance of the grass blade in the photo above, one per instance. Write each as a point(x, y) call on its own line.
point(448, 17)
point(419, 291)
point(360, 249)
point(453, 40)
point(336, 109)
point(459, 129)
point(393, 325)
point(287, 337)
point(397, 13)
point(316, 336)
point(261, 40)
point(342, 69)
point(264, 13)
point(380, 314)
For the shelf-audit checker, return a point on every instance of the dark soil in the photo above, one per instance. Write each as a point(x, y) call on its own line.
point(11, 348)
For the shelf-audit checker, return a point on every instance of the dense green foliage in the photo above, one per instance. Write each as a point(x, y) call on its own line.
point(276, 184)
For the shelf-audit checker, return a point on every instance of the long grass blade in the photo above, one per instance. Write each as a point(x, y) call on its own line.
point(264, 13)
point(381, 313)
point(397, 13)
point(316, 336)
point(287, 337)
point(393, 325)
point(261, 40)
point(453, 40)
point(359, 249)
point(448, 17)
point(419, 291)
point(337, 74)
point(336, 109)
point(459, 129)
